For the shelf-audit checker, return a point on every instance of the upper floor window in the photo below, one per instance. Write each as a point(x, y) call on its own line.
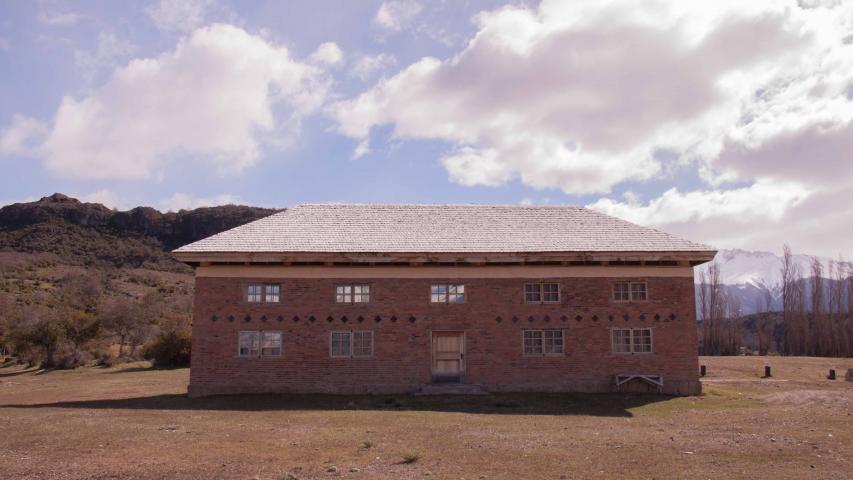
point(542, 293)
point(351, 344)
point(543, 342)
point(447, 293)
point(352, 293)
point(258, 293)
point(629, 291)
point(632, 340)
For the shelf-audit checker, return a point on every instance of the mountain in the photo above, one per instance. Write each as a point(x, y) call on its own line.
point(77, 233)
point(747, 275)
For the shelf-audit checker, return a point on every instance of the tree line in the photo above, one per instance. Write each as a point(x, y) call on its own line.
point(815, 317)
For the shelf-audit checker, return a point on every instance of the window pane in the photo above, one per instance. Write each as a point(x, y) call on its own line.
point(550, 292)
point(272, 293)
point(553, 341)
point(248, 344)
point(340, 344)
point(532, 293)
point(362, 344)
point(361, 293)
point(343, 294)
point(622, 341)
point(438, 294)
point(638, 291)
point(533, 342)
point(642, 340)
point(253, 293)
point(456, 293)
point(621, 292)
point(271, 343)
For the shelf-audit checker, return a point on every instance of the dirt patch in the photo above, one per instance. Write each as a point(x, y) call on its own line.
point(841, 399)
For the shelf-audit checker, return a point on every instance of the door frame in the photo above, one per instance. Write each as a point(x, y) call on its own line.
point(463, 362)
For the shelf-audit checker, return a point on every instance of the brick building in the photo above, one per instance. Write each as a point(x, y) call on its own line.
point(398, 298)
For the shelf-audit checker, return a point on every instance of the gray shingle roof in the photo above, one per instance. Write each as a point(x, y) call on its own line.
point(367, 228)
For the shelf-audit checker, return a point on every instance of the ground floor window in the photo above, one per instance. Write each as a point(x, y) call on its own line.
point(632, 340)
point(351, 344)
point(543, 342)
point(253, 344)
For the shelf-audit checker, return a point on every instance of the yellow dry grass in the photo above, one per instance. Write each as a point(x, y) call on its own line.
point(132, 422)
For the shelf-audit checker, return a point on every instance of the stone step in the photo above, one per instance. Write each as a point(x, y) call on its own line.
point(451, 389)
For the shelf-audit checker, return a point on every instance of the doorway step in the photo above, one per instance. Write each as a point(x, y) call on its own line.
point(451, 389)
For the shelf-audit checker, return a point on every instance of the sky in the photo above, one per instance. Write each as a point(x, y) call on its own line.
point(726, 122)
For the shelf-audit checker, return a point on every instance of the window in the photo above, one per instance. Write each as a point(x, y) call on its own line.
point(351, 344)
point(267, 293)
point(248, 344)
point(253, 293)
point(629, 291)
point(447, 293)
point(542, 293)
point(271, 344)
point(352, 294)
point(632, 340)
point(362, 344)
point(543, 342)
point(272, 293)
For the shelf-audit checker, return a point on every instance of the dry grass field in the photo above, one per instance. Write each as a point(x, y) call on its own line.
point(131, 422)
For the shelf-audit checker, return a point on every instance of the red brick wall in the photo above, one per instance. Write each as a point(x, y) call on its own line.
point(402, 349)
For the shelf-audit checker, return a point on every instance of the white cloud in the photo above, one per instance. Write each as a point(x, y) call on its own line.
point(395, 15)
point(104, 196)
point(22, 136)
point(367, 67)
point(110, 49)
point(327, 54)
point(581, 95)
point(220, 96)
point(362, 149)
point(185, 201)
point(179, 15)
point(58, 19)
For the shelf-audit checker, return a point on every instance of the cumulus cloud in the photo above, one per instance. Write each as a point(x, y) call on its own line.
point(395, 15)
point(366, 67)
point(22, 136)
point(179, 15)
point(220, 96)
point(581, 95)
point(184, 201)
point(327, 54)
point(110, 49)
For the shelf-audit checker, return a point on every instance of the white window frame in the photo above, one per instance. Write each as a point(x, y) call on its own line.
point(256, 343)
point(280, 347)
point(630, 292)
point(540, 291)
point(353, 293)
point(632, 350)
point(543, 333)
point(268, 294)
point(445, 292)
point(350, 342)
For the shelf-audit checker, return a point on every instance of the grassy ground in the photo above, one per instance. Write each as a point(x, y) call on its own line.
point(131, 422)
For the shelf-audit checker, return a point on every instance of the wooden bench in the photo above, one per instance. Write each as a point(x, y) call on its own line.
point(653, 380)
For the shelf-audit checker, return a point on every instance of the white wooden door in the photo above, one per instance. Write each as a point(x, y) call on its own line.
point(448, 353)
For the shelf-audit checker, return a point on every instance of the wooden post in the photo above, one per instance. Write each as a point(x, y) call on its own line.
point(767, 371)
point(831, 375)
point(702, 370)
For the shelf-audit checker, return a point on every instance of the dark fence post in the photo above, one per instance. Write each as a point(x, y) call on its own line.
point(831, 375)
point(702, 370)
point(767, 371)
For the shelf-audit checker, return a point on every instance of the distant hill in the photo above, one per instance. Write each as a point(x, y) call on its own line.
point(78, 233)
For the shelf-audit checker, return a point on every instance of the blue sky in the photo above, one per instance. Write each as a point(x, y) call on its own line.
point(720, 122)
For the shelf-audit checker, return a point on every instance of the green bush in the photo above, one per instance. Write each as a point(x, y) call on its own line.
point(169, 349)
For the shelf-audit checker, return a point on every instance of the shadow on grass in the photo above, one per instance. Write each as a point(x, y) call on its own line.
point(598, 404)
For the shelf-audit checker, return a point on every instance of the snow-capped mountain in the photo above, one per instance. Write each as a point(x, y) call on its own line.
point(741, 267)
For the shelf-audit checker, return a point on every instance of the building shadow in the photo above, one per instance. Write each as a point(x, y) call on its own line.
point(593, 404)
